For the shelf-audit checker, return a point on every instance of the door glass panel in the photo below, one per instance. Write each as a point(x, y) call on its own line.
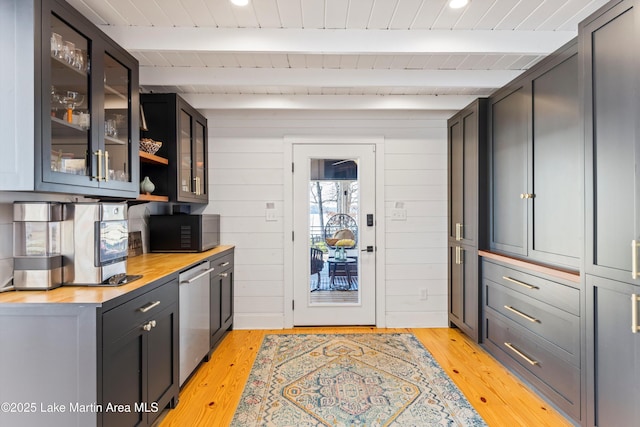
point(333, 232)
point(116, 119)
point(200, 165)
point(69, 99)
point(185, 153)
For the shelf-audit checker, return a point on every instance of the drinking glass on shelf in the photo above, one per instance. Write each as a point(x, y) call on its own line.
point(78, 59)
point(56, 45)
point(69, 49)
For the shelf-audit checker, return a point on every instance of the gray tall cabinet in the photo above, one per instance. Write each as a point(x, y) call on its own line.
point(515, 227)
point(611, 82)
point(467, 207)
point(530, 281)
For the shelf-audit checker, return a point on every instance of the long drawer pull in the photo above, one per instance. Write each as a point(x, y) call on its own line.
point(521, 314)
point(517, 282)
point(204, 273)
point(149, 306)
point(224, 264)
point(634, 313)
point(521, 354)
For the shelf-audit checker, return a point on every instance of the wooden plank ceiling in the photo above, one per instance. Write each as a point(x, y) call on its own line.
point(327, 54)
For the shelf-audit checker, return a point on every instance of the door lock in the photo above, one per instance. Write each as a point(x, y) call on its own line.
point(368, 249)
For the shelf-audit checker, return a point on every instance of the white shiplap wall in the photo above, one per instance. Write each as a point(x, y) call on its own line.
point(246, 157)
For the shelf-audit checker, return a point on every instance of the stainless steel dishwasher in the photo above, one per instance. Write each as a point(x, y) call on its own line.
point(194, 317)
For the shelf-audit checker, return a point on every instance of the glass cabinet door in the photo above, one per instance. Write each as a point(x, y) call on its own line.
point(69, 102)
point(200, 166)
point(117, 148)
point(185, 157)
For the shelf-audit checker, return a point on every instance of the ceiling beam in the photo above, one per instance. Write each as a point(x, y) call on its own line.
point(328, 41)
point(328, 102)
point(213, 76)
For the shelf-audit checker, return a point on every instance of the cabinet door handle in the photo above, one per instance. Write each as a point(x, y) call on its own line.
point(98, 154)
point(147, 327)
point(521, 354)
point(149, 306)
point(223, 274)
point(224, 264)
point(521, 314)
point(458, 231)
point(517, 282)
point(106, 166)
point(634, 313)
point(197, 191)
point(193, 279)
point(457, 255)
point(634, 258)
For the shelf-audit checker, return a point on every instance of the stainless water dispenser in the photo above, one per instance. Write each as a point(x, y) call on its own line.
point(37, 257)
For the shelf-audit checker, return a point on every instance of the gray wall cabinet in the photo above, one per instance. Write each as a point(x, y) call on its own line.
point(611, 83)
point(72, 122)
point(183, 133)
point(467, 218)
point(536, 173)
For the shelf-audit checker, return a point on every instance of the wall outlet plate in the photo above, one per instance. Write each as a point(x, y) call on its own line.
point(270, 215)
point(398, 214)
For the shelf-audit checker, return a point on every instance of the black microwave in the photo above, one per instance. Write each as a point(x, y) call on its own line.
point(183, 233)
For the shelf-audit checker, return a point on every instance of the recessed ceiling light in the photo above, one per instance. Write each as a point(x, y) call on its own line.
point(240, 2)
point(457, 4)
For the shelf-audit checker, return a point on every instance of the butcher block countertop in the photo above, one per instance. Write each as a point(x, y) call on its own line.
point(152, 267)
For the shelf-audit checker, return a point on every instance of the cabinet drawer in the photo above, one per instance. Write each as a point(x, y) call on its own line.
point(560, 328)
point(222, 263)
point(562, 296)
point(535, 360)
point(132, 314)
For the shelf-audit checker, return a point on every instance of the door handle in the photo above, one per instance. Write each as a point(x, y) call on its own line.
point(634, 258)
point(458, 231)
point(634, 313)
point(193, 279)
point(367, 249)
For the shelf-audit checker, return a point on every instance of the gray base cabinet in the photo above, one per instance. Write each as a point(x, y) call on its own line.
point(91, 365)
point(532, 324)
point(140, 357)
point(221, 297)
point(613, 352)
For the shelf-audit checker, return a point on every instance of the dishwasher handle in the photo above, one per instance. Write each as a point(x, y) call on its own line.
point(193, 279)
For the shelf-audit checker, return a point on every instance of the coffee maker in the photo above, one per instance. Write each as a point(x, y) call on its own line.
point(95, 244)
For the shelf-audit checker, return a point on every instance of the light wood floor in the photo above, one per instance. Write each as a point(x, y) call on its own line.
point(210, 397)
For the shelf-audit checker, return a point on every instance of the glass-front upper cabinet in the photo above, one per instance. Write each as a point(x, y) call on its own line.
point(192, 154)
point(89, 131)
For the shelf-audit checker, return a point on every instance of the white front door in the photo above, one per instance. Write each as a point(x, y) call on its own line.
point(334, 234)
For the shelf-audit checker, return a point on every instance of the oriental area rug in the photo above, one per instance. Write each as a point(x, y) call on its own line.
point(350, 380)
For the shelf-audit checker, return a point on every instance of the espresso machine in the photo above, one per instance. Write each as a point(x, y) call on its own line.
point(37, 259)
point(95, 244)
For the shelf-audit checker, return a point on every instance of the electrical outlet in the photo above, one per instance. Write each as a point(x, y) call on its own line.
point(270, 215)
point(398, 214)
point(423, 294)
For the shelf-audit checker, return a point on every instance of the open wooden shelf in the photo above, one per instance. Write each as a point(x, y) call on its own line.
point(153, 159)
point(152, 198)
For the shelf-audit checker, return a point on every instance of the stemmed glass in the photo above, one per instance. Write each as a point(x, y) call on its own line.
point(72, 100)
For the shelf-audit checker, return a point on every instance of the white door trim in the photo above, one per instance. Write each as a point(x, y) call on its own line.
point(378, 141)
